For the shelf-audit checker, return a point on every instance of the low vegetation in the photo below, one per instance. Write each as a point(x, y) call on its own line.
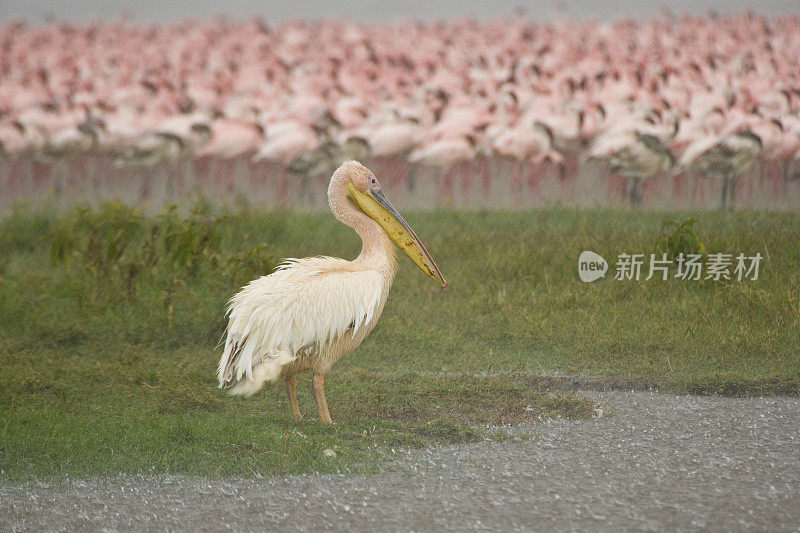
point(109, 319)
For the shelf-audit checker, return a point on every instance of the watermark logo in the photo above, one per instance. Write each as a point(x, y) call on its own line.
point(591, 266)
point(692, 267)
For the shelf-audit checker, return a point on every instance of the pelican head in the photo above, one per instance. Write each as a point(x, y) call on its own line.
point(365, 195)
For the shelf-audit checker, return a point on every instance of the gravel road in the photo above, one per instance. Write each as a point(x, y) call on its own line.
point(659, 462)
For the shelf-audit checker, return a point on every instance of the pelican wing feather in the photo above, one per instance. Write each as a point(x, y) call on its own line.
point(298, 309)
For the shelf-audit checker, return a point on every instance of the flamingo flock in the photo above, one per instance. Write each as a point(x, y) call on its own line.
point(672, 107)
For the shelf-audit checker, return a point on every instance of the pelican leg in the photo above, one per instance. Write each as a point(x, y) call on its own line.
point(318, 392)
point(291, 388)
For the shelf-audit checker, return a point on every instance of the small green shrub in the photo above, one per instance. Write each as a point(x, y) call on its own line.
point(117, 244)
point(676, 237)
point(249, 263)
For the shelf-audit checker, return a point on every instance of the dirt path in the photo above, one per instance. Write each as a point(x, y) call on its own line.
point(660, 462)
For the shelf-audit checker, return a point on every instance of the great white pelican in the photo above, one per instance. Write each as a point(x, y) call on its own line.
point(312, 311)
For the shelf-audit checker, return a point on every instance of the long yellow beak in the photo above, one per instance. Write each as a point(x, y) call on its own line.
point(378, 208)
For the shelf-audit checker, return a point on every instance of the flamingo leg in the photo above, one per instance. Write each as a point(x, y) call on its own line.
point(485, 177)
point(724, 202)
point(412, 178)
point(318, 392)
point(678, 182)
point(283, 187)
point(635, 191)
point(291, 389)
point(626, 189)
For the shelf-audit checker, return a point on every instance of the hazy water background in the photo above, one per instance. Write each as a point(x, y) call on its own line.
point(159, 10)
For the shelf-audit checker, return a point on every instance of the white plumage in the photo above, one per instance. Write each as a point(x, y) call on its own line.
point(310, 312)
point(302, 308)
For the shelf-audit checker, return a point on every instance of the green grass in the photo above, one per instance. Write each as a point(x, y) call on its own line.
point(97, 379)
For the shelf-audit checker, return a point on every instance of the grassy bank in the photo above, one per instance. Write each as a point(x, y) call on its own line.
point(108, 362)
